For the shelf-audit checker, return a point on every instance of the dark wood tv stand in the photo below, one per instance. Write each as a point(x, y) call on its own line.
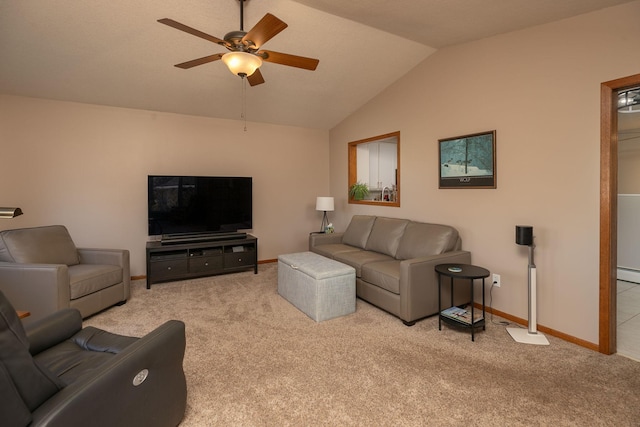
point(186, 260)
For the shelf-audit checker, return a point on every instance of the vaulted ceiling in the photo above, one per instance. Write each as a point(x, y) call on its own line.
point(114, 52)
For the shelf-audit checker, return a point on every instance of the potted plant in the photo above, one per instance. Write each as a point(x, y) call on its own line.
point(358, 191)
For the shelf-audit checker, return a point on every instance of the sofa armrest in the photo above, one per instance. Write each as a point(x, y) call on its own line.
point(110, 397)
point(53, 329)
point(41, 289)
point(419, 283)
point(316, 239)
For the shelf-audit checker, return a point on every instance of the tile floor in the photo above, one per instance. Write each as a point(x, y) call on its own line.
point(628, 340)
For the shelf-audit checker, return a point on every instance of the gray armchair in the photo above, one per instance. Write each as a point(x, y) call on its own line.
point(58, 374)
point(42, 271)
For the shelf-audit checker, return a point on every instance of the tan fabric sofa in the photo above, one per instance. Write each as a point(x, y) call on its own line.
point(395, 260)
point(42, 271)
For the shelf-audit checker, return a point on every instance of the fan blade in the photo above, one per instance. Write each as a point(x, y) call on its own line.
point(199, 61)
point(290, 60)
point(264, 30)
point(256, 78)
point(192, 31)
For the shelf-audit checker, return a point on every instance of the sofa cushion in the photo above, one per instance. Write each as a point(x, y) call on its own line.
point(85, 279)
point(332, 249)
point(83, 354)
point(357, 233)
point(385, 235)
point(357, 259)
point(422, 239)
point(33, 383)
point(385, 275)
point(38, 245)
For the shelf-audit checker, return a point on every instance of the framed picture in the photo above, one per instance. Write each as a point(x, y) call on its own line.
point(468, 161)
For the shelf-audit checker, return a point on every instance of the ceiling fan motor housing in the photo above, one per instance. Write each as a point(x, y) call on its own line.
point(234, 39)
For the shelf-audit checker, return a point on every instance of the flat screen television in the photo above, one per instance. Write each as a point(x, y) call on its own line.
point(198, 205)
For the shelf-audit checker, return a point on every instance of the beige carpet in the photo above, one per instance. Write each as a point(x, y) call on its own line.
point(253, 359)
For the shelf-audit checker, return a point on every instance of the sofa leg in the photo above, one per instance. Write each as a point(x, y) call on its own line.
point(123, 302)
point(409, 323)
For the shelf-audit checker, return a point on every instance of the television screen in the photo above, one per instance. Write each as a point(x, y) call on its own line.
point(199, 204)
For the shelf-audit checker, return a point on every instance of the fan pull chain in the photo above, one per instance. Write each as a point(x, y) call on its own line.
point(244, 102)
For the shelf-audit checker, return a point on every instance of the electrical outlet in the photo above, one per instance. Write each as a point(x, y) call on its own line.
point(496, 280)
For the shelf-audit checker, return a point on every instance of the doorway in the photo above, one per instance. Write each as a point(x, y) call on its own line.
point(609, 209)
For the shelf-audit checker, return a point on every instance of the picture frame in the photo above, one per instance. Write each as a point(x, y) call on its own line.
point(468, 161)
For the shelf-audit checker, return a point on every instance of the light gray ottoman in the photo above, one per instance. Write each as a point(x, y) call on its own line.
point(320, 287)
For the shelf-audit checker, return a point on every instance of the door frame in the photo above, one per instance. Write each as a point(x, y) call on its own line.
point(609, 209)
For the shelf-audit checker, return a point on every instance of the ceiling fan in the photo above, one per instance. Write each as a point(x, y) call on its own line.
point(245, 56)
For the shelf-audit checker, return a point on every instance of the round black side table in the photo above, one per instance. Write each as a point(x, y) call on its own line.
point(455, 315)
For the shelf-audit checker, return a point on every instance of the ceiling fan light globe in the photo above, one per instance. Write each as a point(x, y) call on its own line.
point(242, 62)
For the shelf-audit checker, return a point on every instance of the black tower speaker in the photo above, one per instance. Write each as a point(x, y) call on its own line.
point(524, 235)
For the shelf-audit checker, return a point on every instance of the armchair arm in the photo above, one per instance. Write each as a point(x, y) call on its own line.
point(109, 396)
point(53, 329)
point(41, 289)
point(419, 283)
point(119, 257)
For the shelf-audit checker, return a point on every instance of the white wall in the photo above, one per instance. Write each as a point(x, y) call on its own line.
point(540, 89)
point(86, 167)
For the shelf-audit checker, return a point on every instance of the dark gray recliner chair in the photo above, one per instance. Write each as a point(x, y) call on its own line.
point(42, 271)
point(58, 374)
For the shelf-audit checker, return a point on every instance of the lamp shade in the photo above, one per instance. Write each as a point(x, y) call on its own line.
point(324, 204)
point(242, 63)
point(10, 212)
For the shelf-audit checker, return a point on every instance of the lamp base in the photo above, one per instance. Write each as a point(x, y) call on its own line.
point(325, 223)
point(524, 336)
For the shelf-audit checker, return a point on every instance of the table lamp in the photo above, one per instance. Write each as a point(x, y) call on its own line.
point(324, 204)
point(524, 237)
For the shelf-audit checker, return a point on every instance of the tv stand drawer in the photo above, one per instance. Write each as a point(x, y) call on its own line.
point(239, 259)
point(169, 268)
point(205, 264)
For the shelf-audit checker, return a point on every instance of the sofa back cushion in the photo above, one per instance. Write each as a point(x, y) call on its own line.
point(33, 383)
point(39, 245)
point(385, 235)
point(357, 233)
point(422, 239)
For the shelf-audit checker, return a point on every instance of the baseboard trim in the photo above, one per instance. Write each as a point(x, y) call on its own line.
point(628, 275)
point(543, 329)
